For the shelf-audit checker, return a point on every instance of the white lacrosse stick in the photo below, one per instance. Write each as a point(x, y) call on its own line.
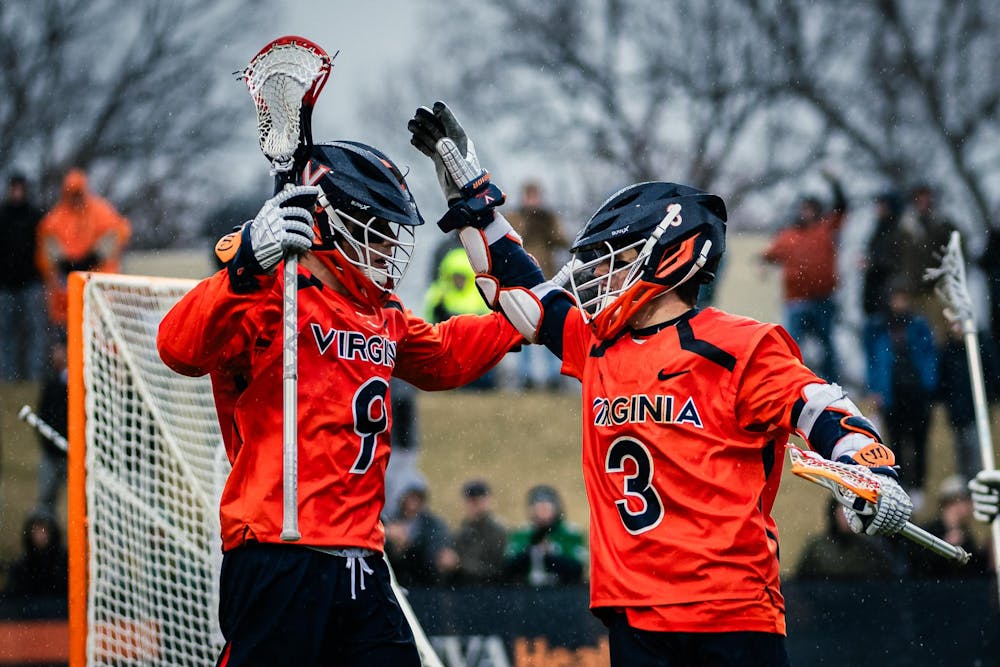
point(44, 428)
point(850, 482)
point(952, 289)
point(284, 80)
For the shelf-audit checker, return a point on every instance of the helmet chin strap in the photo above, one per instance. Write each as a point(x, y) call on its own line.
point(610, 321)
point(353, 281)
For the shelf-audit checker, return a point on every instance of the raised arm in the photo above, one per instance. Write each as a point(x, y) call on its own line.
point(454, 352)
point(508, 278)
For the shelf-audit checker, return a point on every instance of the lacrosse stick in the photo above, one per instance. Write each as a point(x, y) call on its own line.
point(849, 483)
point(44, 428)
point(952, 289)
point(284, 80)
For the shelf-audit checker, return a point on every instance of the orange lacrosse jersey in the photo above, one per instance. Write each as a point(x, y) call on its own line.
point(684, 428)
point(345, 359)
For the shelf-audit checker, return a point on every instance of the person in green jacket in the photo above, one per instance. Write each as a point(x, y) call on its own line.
point(454, 291)
point(548, 551)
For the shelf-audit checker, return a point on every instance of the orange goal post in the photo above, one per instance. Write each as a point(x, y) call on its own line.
point(146, 468)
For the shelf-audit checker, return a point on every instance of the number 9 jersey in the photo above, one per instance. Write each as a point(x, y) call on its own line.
point(347, 354)
point(684, 428)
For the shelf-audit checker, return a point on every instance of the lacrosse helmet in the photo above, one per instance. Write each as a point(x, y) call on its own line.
point(646, 240)
point(365, 217)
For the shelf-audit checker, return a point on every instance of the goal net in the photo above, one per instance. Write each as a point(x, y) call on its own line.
point(147, 468)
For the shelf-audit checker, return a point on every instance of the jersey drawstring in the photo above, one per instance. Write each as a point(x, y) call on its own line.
point(353, 561)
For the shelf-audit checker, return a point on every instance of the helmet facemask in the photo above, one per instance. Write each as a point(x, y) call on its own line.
point(603, 272)
point(612, 284)
point(381, 250)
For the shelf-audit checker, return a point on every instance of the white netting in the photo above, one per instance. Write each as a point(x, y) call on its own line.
point(278, 80)
point(950, 283)
point(155, 469)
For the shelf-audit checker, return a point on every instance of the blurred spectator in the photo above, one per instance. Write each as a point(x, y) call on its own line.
point(923, 231)
point(52, 409)
point(417, 541)
point(405, 441)
point(953, 525)
point(544, 239)
point(807, 253)
point(955, 392)
point(481, 539)
point(83, 232)
point(902, 376)
point(446, 244)
point(22, 318)
point(707, 292)
point(990, 263)
point(548, 551)
point(540, 229)
point(880, 262)
point(42, 570)
point(841, 555)
point(454, 292)
point(227, 217)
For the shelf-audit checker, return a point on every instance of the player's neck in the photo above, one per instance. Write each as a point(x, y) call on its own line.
point(663, 308)
point(322, 272)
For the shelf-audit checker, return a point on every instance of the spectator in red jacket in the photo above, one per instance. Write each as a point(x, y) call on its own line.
point(807, 253)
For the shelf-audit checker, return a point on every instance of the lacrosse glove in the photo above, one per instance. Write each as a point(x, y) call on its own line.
point(892, 510)
point(466, 185)
point(985, 492)
point(284, 225)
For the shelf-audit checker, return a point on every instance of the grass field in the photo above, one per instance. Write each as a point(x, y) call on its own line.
point(513, 439)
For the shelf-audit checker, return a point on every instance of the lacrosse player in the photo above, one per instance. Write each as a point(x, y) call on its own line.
point(685, 411)
point(325, 599)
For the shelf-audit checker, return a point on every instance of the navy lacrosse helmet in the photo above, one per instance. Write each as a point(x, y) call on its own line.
point(647, 239)
point(367, 215)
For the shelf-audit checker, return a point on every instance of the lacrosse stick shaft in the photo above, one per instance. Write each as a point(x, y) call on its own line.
point(951, 287)
point(983, 432)
point(919, 536)
point(44, 429)
point(284, 80)
point(979, 394)
point(290, 403)
point(850, 483)
point(428, 657)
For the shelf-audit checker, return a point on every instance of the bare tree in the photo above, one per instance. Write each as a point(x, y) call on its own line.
point(128, 91)
point(628, 91)
point(908, 85)
point(745, 97)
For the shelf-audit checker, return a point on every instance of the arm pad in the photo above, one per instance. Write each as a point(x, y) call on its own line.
point(835, 427)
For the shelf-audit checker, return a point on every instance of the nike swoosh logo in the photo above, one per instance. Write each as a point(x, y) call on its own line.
point(663, 377)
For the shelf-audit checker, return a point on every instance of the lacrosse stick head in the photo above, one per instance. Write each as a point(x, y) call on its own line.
point(853, 486)
point(284, 80)
point(950, 283)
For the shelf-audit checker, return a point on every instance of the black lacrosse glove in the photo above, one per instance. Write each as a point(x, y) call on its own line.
point(470, 194)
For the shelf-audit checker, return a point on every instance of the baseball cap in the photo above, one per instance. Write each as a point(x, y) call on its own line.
point(476, 488)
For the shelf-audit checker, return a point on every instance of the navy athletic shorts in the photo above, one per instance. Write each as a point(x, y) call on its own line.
point(632, 647)
point(291, 605)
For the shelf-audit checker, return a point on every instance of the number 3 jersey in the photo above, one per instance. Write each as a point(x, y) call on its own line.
point(683, 443)
point(346, 355)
